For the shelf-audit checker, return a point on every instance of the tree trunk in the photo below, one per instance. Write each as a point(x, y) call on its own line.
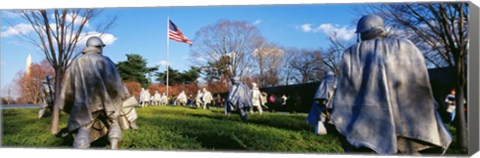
point(461, 123)
point(461, 128)
point(55, 109)
point(288, 77)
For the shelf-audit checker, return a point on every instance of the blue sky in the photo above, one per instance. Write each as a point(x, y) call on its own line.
point(143, 31)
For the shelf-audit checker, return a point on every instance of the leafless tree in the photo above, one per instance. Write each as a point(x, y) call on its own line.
point(57, 33)
point(232, 40)
point(28, 84)
point(333, 54)
point(286, 72)
point(306, 64)
point(440, 30)
point(8, 94)
point(269, 59)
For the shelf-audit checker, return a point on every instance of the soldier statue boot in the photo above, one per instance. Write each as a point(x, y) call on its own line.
point(114, 134)
point(82, 139)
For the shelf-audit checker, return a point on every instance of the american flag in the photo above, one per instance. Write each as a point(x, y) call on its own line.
point(174, 33)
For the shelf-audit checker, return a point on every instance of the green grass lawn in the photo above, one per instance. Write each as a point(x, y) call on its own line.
point(184, 128)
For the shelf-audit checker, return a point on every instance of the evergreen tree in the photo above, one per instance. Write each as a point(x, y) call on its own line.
point(135, 69)
point(175, 77)
point(191, 75)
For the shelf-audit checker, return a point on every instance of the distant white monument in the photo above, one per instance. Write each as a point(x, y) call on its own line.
point(29, 63)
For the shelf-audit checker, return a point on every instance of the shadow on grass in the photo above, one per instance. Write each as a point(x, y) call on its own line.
point(288, 122)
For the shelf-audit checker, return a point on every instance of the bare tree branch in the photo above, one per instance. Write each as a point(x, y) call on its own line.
point(440, 31)
point(57, 34)
point(235, 40)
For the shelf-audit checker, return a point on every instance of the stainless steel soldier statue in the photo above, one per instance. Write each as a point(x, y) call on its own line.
point(320, 111)
point(239, 97)
point(144, 97)
point(93, 94)
point(198, 99)
point(157, 98)
point(257, 100)
point(182, 99)
point(207, 98)
point(164, 99)
point(48, 95)
point(128, 115)
point(384, 101)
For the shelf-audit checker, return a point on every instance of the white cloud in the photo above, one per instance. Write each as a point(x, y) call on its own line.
point(25, 28)
point(107, 38)
point(198, 58)
point(258, 21)
point(187, 58)
point(164, 63)
point(306, 27)
point(342, 32)
point(21, 28)
point(3, 63)
point(9, 14)
point(69, 18)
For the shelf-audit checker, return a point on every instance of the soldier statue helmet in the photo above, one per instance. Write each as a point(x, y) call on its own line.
point(370, 25)
point(414, 126)
point(101, 107)
point(95, 41)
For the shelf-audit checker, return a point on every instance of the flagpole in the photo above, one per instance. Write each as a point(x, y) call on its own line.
point(168, 48)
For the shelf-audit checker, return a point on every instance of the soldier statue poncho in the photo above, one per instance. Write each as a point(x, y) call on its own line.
point(383, 101)
point(206, 98)
point(182, 98)
point(321, 104)
point(257, 100)
point(93, 94)
point(48, 93)
point(239, 97)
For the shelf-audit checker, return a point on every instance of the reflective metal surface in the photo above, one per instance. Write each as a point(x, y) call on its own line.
point(383, 94)
point(92, 88)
